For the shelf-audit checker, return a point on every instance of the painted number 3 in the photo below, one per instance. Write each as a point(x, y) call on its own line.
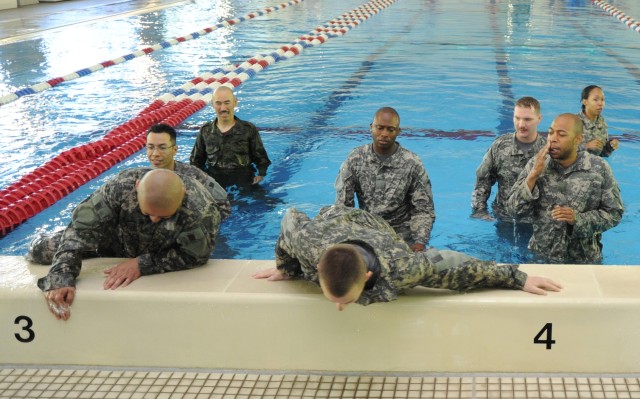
point(545, 336)
point(27, 334)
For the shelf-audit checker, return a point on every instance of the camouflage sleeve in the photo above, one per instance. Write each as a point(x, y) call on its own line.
point(259, 155)
point(486, 177)
point(198, 156)
point(345, 185)
point(521, 200)
point(220, 196)
point(456, 271)
point(285, 262)
point(192, 248)
point(609, 212)
point(287, 258)
point(88, 228)
point(423, 213)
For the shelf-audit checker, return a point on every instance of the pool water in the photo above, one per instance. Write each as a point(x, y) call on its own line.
point(453, 70)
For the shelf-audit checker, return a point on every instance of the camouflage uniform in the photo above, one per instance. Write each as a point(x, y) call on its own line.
point(397, 189)
point(219, 194)
point(110, 224)
point(503, 162)
point(237, 152)
point(589, 188)
point(302, 241)
point(595, 130)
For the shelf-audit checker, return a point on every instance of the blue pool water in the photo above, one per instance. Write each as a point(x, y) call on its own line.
point(451, 68)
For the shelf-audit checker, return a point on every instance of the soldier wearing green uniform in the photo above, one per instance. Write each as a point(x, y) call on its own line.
point(505, 159)
point(572, 196)
point(389, 181)
point(161, 222)
point(356, 256)
point(229, 149)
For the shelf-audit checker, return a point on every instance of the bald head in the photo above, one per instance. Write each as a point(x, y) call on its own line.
point(160, 193)
point(224, 103)
point(573, 123)
point(223, 91)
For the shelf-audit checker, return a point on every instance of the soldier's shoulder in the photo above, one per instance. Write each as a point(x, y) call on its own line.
point(503, 140)
point(128, 176)
point(246, 124)
point(409, 156)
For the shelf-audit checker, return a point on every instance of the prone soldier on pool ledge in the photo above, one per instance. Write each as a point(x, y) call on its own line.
point(159, 221)
point(357, 257)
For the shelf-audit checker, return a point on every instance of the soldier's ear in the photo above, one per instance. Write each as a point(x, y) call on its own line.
point(137, 184)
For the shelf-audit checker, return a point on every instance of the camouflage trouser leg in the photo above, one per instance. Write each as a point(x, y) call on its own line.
point(43, 247)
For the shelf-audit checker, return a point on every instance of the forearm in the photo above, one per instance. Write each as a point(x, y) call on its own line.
point(460, 272)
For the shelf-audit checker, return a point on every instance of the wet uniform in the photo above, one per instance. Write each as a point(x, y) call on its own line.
point(110, 224)
point(231, 157)
point(589, 188)
point(394, 265)
point(396, 188)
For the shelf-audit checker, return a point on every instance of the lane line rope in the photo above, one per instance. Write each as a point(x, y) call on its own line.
point(40, 87)
point(619, 15)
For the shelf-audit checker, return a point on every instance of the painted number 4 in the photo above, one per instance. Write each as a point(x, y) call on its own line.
point(545, 336)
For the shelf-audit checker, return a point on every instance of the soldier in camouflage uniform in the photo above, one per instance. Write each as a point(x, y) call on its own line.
point(159, 221)
point(596, 137)
point(572, 195)
point(389, 181)
point(228, 148)
point(505, 159)
point(382, 265)
point(161, 151)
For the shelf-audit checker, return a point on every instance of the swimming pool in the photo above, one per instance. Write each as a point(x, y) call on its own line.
point(454, 86)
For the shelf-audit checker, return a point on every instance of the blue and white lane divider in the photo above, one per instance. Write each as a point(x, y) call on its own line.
point(39, 87)
point(619, 15)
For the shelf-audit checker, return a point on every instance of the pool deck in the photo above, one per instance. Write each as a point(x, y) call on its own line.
point(216, 332)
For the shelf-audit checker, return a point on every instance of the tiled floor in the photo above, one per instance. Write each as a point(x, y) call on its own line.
point(19, 382)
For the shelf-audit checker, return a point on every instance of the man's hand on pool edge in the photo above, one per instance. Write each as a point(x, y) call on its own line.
point(59, 301)
point(272, 274)
point(540, 285)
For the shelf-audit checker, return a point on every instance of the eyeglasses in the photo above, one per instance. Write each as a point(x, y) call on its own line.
point(160, 148)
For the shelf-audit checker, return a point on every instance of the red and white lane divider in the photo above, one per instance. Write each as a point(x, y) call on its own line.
point(69, 170)
point(619, 15)
point(37, 88)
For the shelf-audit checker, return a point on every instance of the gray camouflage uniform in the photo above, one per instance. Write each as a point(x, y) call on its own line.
point(589, 188)
point(397, 189)
point(502, 163)
point(109, 223)
point(239, 149)
point(302, 241)
point(219, 194)
point(595, 130)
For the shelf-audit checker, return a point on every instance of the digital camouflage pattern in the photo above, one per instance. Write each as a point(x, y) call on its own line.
point(595, 130)
point(302, 241)
point(219, 194)
point(502, 163)
point(589, 188)
point(397, 189)
point(239, 148)
point(109, 223)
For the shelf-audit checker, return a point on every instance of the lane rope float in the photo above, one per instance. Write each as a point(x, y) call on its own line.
point(619, 15)
point(42, 86)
